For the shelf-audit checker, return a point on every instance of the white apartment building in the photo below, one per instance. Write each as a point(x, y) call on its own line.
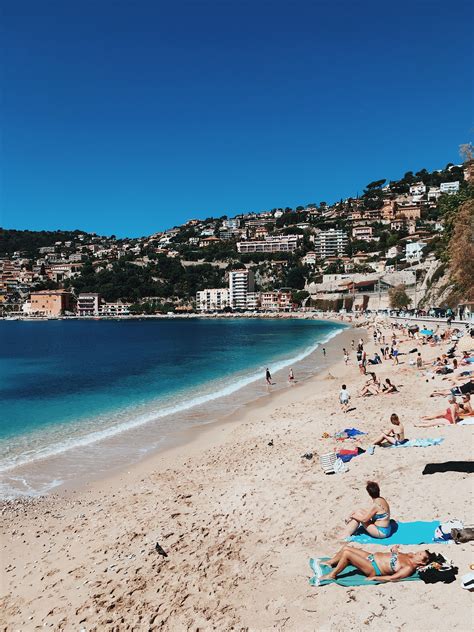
point(253, 301)
point(434, 193)
point(115, 309)
point(418, 189)
point(364, 233)
point(309, 259)
point(231, 223)
point(330, 243)
point(241, 282)
point(281, 243)
point(88, 304)
point(449, 187)
point(214, 299)
point(413, 251)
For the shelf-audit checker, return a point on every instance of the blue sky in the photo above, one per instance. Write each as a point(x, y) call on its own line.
point(128, 117)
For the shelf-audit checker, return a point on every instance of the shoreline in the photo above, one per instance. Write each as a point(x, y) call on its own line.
point(253, 397)
point(235, 400)
point(239, 512)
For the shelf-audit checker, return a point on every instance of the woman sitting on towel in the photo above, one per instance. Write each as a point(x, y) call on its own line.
point(448, 417)
point(381, 567)
point(394, 435)
point(376, 520)
point(371, 387)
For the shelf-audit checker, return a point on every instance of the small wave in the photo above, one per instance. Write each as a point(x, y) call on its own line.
point(100, 435)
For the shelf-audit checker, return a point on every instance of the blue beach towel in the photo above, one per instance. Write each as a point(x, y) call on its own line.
point(418, 443)
point(402, 533)
point(353, 432)
point(350, 576)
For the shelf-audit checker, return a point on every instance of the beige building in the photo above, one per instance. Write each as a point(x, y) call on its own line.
point(364, 233)
point(212, 299)
point(51, 302)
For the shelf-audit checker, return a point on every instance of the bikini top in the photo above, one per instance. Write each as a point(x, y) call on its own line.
point(382, 516)
point(393, 561)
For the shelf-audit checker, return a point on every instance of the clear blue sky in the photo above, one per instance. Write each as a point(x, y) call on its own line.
point(128, 117)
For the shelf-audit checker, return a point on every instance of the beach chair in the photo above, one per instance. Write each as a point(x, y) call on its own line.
point(327, 462)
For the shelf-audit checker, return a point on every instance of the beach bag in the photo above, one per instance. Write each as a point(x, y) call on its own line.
point(443, 532)
point(440, 570)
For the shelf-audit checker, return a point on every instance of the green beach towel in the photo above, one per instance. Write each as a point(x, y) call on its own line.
point(350, 576)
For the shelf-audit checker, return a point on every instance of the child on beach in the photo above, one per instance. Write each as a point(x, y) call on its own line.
point(344, 398)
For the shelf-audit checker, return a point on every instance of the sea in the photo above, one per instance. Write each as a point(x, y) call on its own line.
point(81, 398)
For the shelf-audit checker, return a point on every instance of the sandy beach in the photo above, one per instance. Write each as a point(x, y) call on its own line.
point(239, 512)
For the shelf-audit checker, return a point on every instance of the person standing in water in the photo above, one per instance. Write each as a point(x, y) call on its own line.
point(268, 376)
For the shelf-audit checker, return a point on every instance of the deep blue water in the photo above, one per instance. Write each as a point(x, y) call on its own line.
point(62, 381)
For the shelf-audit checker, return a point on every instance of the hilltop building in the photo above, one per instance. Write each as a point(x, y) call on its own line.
point(330, 243)
point(281, 243)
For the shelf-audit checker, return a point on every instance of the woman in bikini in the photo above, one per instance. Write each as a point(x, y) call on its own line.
point(465, 409)
point(376, 520)
point(381, 567)
point(394, 435)
point(449, 417)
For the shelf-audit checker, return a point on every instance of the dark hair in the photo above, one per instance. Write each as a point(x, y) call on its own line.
point(394, 418)
point(373, 489)
point(388, 381)
point(344, 386)
point(432, 557)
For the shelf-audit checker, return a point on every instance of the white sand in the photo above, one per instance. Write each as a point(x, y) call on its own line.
point(240, 519)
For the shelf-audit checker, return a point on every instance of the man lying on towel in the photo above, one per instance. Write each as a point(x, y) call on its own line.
point(381, 567)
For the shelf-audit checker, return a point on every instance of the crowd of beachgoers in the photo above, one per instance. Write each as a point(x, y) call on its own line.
point(361, 470)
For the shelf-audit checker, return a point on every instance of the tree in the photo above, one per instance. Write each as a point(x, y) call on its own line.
point(295, 279)
point(398, 297)
point(461, 250)
point(299, 296)
point(376, 184)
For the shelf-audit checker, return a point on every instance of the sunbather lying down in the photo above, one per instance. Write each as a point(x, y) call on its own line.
point(382, 567)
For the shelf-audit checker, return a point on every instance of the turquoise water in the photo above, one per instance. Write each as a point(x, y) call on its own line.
point(66, 385)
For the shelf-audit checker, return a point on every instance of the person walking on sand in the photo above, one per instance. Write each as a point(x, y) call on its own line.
point(324, 351)
point(344, 398)
point(291, 377)
point(346, 356)
point(268, 377)
point(353, 345)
